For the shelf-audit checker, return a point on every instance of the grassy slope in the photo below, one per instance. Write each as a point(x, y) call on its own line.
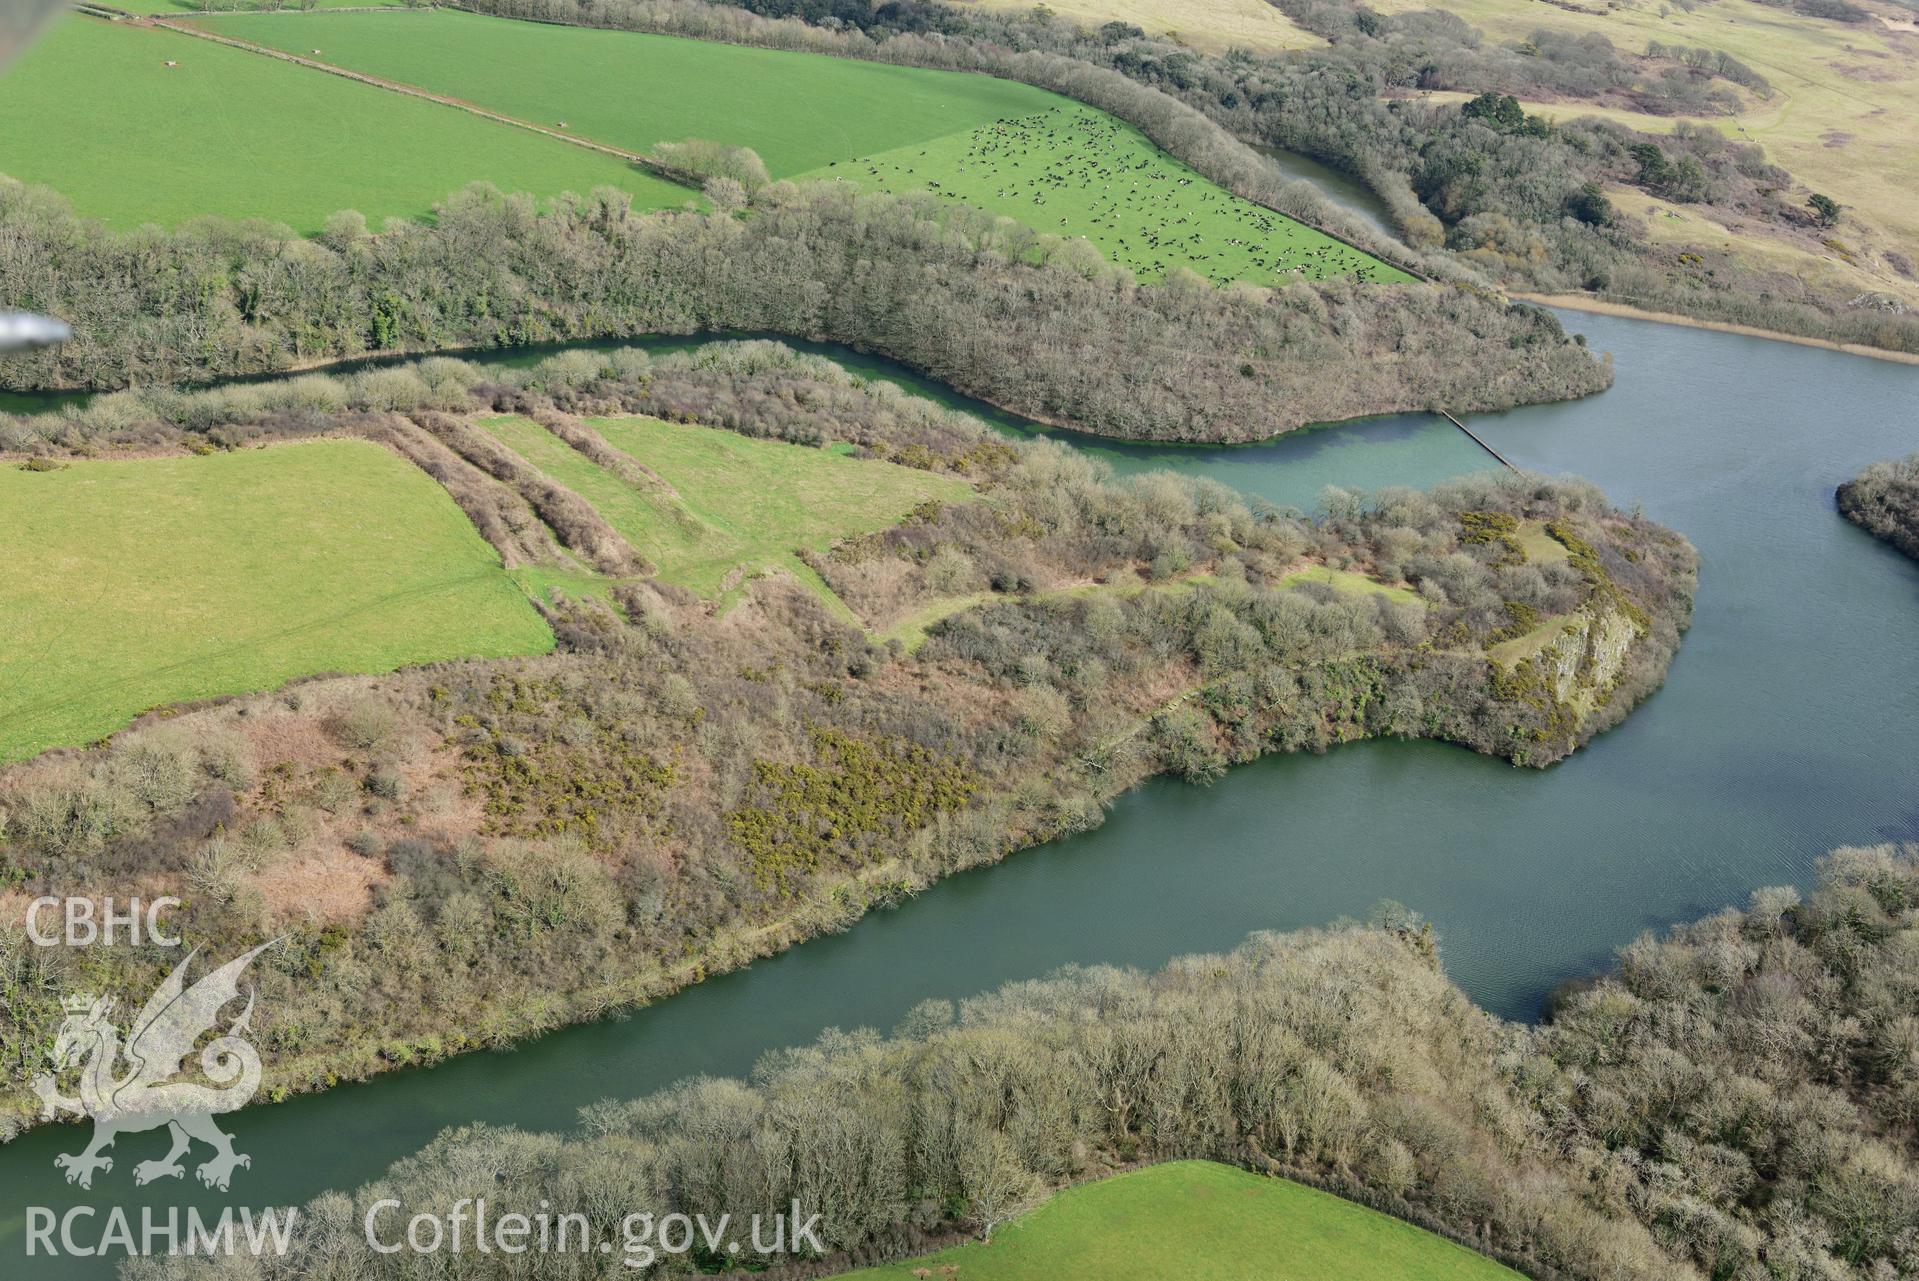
point(1541, 547)
point(910, 629)
point(632, 91)
point(1840, 118)
point(1212, 25)
point(737, 502)
point(129, 584)
point(1073, 171)
point(94, 112)
point(180, 8)
point(812, 116)
point(1519, 648)
point(1204, 1222)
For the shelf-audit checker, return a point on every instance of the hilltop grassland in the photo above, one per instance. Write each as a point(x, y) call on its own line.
point(633, 91)
point(1059, 167)
point(1071, 171)
point(1202, 1219)
point(96, 111)
point(131, 584)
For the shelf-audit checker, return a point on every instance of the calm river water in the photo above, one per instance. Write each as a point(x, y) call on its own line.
point(1790, 725)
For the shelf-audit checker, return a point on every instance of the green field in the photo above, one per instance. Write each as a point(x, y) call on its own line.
point(1005, 147)
point(130, 584)
point(1073, 171)
point(632, 91)
point(1203, 1222)
point(730, 503)
point(184, 8)
point(94, 112)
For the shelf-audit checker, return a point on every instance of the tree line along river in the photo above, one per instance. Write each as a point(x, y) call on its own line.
point(1789, 725)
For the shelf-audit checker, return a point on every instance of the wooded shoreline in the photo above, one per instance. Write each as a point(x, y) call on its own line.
point(1601, 307)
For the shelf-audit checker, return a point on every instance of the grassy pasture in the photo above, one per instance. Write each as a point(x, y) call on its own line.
point(1203, 1222)
point(734, 505)
point(130, 584)
point(632, 91)
point(1073, 171)
point(995, 144)
point(95, 112)
point(183, 8)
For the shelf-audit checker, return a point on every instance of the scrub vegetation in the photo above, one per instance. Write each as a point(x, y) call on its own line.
point(142, 125)
point(1735, 1100)
point(1883, 500)
point(131, 584)
point(512, 845)
point(654, 667)
point(981, 303)
point(1835, 82)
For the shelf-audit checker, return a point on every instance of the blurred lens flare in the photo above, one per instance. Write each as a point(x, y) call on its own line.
point(20, 22)
point(22, 331)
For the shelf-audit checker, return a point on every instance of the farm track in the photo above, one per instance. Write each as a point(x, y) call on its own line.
point(414, 91)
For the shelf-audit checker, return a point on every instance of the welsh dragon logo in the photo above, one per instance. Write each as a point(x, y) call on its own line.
point(144, 1095)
